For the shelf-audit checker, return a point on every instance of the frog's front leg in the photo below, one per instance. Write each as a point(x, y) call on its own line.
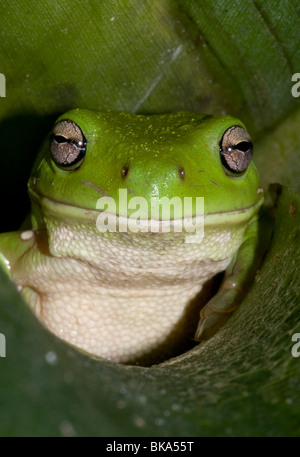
point(12, 246)
point(238, 277)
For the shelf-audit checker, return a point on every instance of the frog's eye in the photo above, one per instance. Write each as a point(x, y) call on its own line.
point(68, 145)
point(236, 149)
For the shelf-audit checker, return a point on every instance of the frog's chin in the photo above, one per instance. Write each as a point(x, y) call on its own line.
point(67, 212)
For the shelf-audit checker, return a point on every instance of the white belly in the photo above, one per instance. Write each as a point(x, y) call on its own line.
point(122, 297)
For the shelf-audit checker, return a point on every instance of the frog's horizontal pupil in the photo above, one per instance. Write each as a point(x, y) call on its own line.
point(60, 139)
point(244, 146)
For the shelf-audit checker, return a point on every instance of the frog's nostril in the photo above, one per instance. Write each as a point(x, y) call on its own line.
point(181, 172)
point(124, 171)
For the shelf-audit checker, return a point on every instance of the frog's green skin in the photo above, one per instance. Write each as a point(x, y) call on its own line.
point(131, 296)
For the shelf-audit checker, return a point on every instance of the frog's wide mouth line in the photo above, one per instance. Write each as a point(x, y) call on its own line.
point(69, 211)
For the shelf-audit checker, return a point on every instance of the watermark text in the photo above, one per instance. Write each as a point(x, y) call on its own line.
point(164, 215)
point(296, 347)
point(2, 85)
point(296, 87)
point(2, 345)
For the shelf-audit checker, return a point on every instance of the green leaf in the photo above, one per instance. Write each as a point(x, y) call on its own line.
point(278, 151)
point(222, 56)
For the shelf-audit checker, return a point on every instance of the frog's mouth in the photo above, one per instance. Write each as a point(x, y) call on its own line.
point(117, 222)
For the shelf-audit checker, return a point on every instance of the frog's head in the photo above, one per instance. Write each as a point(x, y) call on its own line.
point(89, 155)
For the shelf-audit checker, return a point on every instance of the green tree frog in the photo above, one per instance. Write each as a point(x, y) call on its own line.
point(134, 296)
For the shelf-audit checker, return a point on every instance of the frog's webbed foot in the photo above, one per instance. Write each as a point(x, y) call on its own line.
point(218, 310)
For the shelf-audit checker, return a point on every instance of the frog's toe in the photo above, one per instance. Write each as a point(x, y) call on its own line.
point(216, 312)
point(209, 324)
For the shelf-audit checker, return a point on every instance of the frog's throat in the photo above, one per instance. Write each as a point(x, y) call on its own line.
point(65, 211)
